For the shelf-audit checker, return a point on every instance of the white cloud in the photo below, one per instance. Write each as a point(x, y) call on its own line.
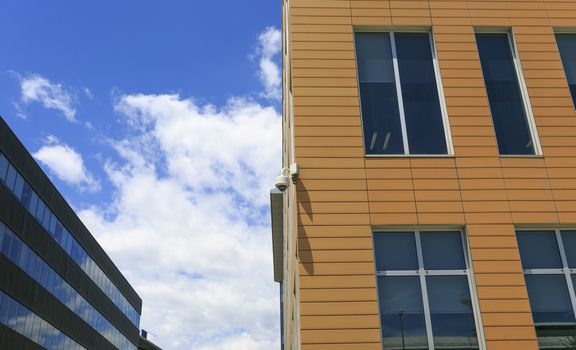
point(270, 74)
point(88, 93)
point(66, 164)
point(35, 88)
point(189, 223)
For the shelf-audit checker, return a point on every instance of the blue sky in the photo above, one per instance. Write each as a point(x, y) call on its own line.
point(141, 112)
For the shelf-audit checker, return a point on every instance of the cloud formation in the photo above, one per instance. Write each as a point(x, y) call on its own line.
point(189, 222)
point(66, 164)
point(35, 88)
point(270, 74)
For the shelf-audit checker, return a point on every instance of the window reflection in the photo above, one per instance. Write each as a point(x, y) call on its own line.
point(22, 320)
point(30, 200)
point(548, 282)
point(440, 272)
point(402, 313)
point(424, 123)
point(380, 113)
point(400, 98)
point(504, 94)
point(451, 312)
point(551, 309)
point(17, 251)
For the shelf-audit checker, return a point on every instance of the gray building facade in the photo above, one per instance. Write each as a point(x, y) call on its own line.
point(58, 288)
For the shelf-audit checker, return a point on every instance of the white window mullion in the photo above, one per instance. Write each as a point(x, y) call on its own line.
point(426, 305)
point(566, 270)
point(473, 293)
point(524, 92)
point(399, 93)
point(441, 97)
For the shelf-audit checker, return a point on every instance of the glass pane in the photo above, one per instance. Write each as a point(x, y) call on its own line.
point(538, 250)
point(506, 101)
point(402, 313)
point(395, 251)
point(378, 95)
point(11, 177)
point(40, 210)
point(3, 167)
point(33, 203)
point(442, 251)
point(451, 311)
point(18, 186)
point(2, 233)
point(551, 310)
point(420, 94)
point(4, 308)
point(26, 195)
point(569, 241)
point(567, 47)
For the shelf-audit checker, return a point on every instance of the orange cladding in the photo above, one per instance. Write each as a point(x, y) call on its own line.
point(342, 194)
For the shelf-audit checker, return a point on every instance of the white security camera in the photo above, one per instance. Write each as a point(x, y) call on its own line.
point(282, 182)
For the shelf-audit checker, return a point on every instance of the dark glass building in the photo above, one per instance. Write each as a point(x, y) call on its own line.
point(58, 288)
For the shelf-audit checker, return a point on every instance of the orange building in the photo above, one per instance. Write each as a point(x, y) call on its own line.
point(429, 188)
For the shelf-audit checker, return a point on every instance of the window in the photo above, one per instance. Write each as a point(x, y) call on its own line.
point(10, 177)
point(567, 48)
point(548, 260)
point(507, 104)
point(423, 291)
point(399, 94)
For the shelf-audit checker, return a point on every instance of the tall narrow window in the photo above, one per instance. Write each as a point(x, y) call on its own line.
point(401, 110)
point(507, 104)
point(548, 261)
point(567, 47)
point(423, 291)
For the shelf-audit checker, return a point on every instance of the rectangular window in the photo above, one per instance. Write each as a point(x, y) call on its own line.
point(3, 167)
point(507, 103)
point(424, 291)
point(567, 48)
point(399, 94)
point(547, 260)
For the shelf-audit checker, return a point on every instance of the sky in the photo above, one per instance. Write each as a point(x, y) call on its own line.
point(159, 122)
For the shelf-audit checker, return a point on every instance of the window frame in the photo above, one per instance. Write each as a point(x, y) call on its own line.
point(564, 270)
point(522, 86)
point(422, 273)
point(442, 100)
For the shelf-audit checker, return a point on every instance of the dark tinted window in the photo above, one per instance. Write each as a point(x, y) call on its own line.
point(424, 123)
point(451, 311)
point(506, 101)
point(3, 167)
point(569, 241)
point(567, 47)
point(379, 98)
point(383, 112)
point(442, 251)
point(539, 250)
point(402, 313)
point(551, 309)
point(395, 251)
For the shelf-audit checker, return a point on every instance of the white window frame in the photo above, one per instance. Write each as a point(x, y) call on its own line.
point(565, 270)
point(422, 273)
point(439, 86)
point(522, 86)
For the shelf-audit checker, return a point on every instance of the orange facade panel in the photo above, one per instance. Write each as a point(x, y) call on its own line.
point(343, 195)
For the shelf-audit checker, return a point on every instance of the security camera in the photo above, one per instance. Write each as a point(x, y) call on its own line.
point(282, 182)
